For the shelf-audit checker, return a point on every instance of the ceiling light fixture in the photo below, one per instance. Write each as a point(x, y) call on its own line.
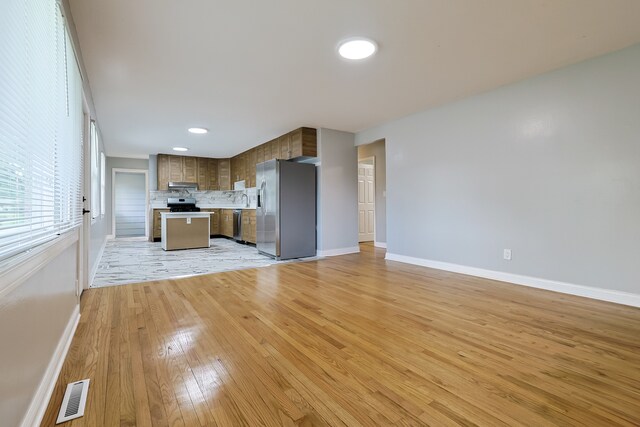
point(357, 48)
point(180, 149)
point(198, 131)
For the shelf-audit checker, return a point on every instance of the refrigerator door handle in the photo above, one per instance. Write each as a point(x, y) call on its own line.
point(261, 195)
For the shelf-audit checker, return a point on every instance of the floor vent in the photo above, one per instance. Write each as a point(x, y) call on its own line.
point(75, 399)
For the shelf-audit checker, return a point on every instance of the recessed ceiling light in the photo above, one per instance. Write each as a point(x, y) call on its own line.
point(198, 130)
point(357, 48)
point(180, 149)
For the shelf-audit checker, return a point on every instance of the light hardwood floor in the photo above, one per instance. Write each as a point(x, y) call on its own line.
point(351, 340)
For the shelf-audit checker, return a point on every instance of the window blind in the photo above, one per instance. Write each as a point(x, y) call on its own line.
point(41, 122)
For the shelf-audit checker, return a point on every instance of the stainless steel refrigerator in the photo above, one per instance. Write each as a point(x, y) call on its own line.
point(286, 209)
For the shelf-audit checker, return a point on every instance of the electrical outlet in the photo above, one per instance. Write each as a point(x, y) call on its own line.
point(188, 220)
point(507, 254)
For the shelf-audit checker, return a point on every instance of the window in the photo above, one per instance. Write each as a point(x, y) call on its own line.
point(103, 194)
point(40, 127)
point(95, 183)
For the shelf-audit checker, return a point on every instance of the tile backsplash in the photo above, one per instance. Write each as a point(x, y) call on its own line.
point(206, 198)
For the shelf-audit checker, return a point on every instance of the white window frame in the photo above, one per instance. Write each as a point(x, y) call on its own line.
point(103, 191)
point(95, 172)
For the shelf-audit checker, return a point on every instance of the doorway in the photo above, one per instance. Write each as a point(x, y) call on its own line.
point(366, 200)
point(129, 201)
point(375, 155)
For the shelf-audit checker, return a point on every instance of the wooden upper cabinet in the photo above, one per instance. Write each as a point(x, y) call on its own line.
point(266, 147)
point(172, 169)
point(242, 164)
point(175, 169)
point(238, 168)
point(251, 159)
point(224, 174)
point(259, 153)
point(220, 174)
point(304, 142)
point(283, 142)
point(190, 169)
point(203, 174)
point(235, 169)
point(163, 172)
point(213, 174)
point(274, 149)
point(201, 170)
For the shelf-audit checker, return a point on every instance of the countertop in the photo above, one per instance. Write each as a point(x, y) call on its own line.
point(208, 207)
point(186, 214)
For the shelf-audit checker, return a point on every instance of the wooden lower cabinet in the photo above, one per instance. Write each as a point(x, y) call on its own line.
point(226, 222)
point(249, 225)
point(157, 223)
point(214, 221)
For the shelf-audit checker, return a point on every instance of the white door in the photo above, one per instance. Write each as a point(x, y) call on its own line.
point(366, 202)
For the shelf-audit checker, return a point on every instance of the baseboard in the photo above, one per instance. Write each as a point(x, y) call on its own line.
point(380, 244)
point(339, 251)
point(94, 269)
point(40, 400)
point(618, 297)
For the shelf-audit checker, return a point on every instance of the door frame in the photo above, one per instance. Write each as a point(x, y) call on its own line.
point(375, 202)
point(84, 240)
point(113, 198)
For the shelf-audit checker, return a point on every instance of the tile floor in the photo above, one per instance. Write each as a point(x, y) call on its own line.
point(135, 260)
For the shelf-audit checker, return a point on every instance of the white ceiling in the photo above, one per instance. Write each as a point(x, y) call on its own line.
point(252, 70)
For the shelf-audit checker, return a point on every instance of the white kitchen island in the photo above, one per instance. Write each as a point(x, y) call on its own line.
point(185, 230)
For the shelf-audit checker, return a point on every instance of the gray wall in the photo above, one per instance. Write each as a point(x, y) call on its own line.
point(121, 163)
point(33, 317)
point(153, 172)
point(377, 150)
point(337, 191)
point(548, 167)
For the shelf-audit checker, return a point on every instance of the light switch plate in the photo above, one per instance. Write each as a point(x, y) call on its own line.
point(507, 254)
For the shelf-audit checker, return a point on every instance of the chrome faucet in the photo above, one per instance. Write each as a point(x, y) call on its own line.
point(245, 195)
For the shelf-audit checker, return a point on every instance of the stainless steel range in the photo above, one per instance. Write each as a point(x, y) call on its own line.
point(176, 204)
